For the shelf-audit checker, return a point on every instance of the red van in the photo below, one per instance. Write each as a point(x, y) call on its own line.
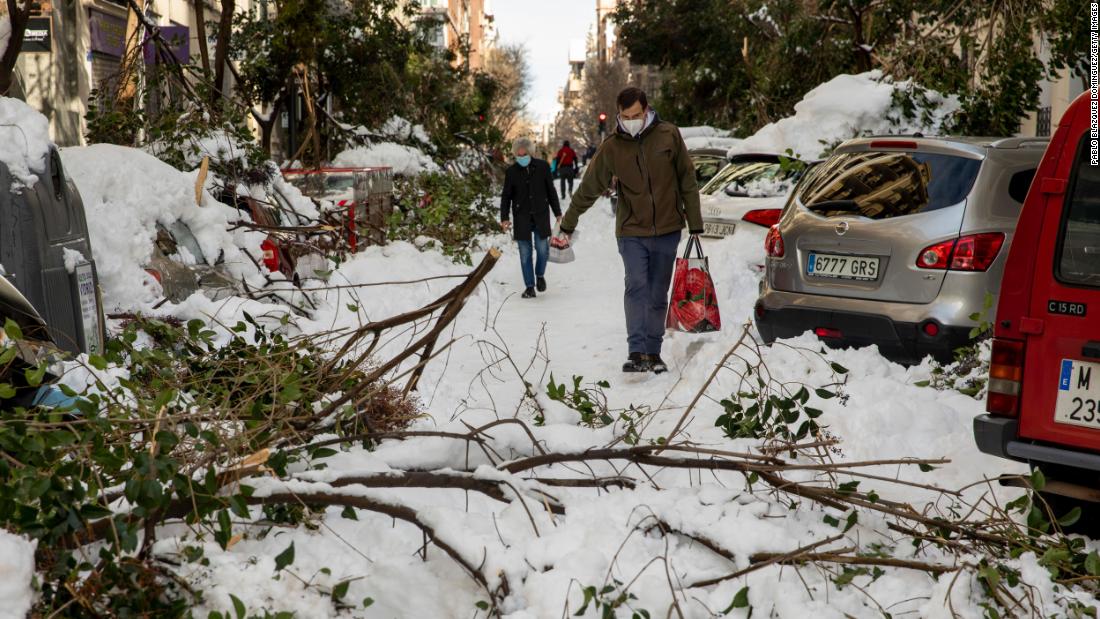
point(1044, 378)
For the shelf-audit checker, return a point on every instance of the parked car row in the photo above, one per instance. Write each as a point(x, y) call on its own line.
point(897, 241)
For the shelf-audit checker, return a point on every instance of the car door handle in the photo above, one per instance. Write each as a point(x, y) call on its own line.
point(1091, 350)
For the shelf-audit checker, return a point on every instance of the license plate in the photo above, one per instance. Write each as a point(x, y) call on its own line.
point(842, 267)
point(1078, 394)
point(710, 229)
point(89, 308)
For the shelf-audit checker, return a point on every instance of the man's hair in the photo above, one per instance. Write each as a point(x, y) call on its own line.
point(631, 95)
point(565, 143)
point(523, 144)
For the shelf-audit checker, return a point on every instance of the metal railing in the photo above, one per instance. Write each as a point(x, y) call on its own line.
point(1042, 122)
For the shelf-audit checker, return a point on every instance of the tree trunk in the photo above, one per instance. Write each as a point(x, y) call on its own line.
point(19, 13)
point(200, 33)
point(221, 53)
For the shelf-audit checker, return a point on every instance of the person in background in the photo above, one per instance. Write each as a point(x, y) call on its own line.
point(657, 191)
point(567, 166)
point(589, 153)
point(526, 200)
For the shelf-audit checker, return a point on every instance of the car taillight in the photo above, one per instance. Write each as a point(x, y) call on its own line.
point(766, 217)
point(271, 255)
point(977, 251)
point(937, 256)
point(155, 274)
point(1006, 372)
point(974, 252)
point(773, 244)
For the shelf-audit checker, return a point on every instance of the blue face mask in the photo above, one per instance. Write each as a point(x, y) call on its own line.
point(524, 160)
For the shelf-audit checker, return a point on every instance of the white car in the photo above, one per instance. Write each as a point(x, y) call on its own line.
point(751, 189)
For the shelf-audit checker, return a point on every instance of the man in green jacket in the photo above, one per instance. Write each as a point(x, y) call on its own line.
point(657, 193)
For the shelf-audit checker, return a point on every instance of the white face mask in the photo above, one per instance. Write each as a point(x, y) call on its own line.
point(633, 127)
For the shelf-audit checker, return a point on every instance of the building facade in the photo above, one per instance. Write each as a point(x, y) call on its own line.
point(454, 24)
point(75, 47)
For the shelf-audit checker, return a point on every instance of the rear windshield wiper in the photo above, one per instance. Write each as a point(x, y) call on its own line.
point(848, 206)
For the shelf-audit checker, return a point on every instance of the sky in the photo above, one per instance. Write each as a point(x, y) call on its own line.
point(546, 28)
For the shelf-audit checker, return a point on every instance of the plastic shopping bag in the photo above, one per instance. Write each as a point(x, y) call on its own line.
point(561, 249)
point(693, 305)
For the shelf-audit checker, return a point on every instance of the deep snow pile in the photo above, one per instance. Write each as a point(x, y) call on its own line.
point(405, 160)
point(577, 326)
point(16, 575)
point(24, 141)
point(126, 193)
point(846, 106)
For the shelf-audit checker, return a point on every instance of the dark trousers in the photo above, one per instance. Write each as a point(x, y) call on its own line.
point(648, 261)
point(566, 173)
point(541, 249)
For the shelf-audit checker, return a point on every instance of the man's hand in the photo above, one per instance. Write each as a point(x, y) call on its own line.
point(506, 225)
point(561, 240)
point(558, 220)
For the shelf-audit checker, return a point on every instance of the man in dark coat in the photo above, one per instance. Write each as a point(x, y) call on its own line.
point(525, 204)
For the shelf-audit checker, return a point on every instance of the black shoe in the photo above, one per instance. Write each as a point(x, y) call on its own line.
point(542, 284)
point(656, 364)
point(529, 293)
point(636, 362)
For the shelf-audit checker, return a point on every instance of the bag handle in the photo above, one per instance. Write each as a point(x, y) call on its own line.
point(693, 241)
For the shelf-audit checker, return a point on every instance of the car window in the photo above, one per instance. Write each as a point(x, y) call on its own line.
point(339, 182)
point(753, 178)
point(881, 185)
point(705, 169)
point(1079, 262)
point(1019, 184)
point(186, 239)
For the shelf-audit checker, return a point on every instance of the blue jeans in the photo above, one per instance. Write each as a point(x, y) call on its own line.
point(542, 250)
point(649, 262)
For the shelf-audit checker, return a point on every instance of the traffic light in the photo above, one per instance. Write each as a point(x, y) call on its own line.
point(603, 122)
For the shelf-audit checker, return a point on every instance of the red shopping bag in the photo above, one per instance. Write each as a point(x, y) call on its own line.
point(693, 306)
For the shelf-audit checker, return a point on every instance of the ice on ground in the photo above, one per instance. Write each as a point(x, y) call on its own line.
point(846, 106)
point(16, 575)
point(126, 193)
point(24, 141)
point(404, 160)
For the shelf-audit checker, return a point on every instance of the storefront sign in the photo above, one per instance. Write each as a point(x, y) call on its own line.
point(36, 38)
point(108, 33)
point(179, 45)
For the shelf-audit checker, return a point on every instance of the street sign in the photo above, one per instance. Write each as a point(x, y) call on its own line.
point(37, 36)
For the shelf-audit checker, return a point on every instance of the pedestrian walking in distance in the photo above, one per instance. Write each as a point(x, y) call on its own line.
point(657, 192)
point(526, 200)
point(567, 166)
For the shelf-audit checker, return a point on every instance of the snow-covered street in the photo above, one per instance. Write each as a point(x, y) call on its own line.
point(603, 538)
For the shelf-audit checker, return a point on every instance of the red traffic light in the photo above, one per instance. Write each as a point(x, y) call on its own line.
point(603, 116)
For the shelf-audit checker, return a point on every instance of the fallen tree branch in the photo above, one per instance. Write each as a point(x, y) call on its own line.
point(828, 557)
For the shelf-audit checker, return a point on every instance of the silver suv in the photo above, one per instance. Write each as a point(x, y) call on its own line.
point(896, 241)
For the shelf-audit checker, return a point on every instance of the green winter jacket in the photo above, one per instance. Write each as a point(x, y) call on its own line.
point(657, 186)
